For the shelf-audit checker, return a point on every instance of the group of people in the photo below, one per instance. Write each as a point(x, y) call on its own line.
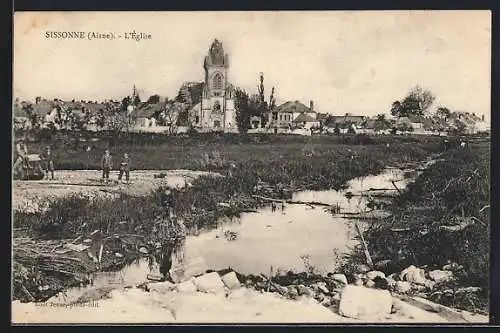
point(107, 166)
point(47, 158)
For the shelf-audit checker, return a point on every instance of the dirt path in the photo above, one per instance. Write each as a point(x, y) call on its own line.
point(31, 195)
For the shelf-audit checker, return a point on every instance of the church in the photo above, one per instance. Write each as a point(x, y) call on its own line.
point(216, 111)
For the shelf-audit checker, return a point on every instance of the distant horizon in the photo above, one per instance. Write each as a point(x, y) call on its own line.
point(346, 62)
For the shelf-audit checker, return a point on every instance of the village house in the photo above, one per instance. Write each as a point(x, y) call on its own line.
point(283, 116)
point(305, 120)
point(142, 118)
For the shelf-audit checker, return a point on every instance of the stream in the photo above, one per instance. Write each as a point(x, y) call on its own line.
point(297, 237)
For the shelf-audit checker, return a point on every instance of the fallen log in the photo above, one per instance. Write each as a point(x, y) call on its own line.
point(291, 202)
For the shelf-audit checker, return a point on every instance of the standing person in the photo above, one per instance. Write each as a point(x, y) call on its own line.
point(21, 152)
point(125, 167)
point(48, 160)
point(106, 164)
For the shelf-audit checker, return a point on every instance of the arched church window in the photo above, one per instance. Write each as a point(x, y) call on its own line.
point(218, 81)
point(217, 107)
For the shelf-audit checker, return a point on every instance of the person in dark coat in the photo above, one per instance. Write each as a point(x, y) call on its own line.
point(125, 167)
point(48, 161)
point(106, 164)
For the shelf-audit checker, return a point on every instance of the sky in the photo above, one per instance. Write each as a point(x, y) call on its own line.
point(345, 61)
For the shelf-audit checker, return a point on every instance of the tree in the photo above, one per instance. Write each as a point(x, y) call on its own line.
point(242, 110)
point(126, 101)
point(153, 99)
point(33, 117)
point(336, 130)
point(443, 112)
point(272, 100)
point(171, 114)
point(396, 109)
point(100, 119)
point(417, 102)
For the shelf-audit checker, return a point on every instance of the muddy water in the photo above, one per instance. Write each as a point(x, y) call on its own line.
point(297, 237)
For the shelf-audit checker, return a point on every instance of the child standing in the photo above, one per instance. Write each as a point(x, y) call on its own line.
point(125, 167)
point(48, 159)
point(106, 164)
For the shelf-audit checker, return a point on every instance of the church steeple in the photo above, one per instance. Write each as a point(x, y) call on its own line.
point(216, 56)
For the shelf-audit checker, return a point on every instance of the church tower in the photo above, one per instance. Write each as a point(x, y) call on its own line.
point(217, 105)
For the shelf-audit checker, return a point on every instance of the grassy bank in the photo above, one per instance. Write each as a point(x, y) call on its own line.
point(443, 217)
point(273, 168)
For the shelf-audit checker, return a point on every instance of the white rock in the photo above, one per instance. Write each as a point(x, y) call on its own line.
point(209, 283)
point(340, 278)
point(358, 282)
point(391, 283)
point(402, 287)
point(414, 275)
point(186, 287)
point(231, 281)
point(429, 284)
point(441, 276)
point(373, 274)
point(364, 303)
point(370, 284)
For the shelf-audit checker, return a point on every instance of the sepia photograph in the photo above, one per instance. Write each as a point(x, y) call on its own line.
point(243, 167)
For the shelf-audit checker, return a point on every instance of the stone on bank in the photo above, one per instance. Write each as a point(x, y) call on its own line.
point(231, 281)
point(209, 283)
point(363, 303)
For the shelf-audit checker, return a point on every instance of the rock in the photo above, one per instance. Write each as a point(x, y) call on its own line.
point(231, 281)
point(419, 287)
point(441, 276)
point(370, 284)
point(161, 287)
point(321, 287)
point(372, 274)
point(340, 277)
point(358, 282)
point(363, 303)
point(194, 266)
point(467, 290)
point(118, 255)
point(452, 267)
point(304, 291)
point(186, 287)
point(281, 290)
point(143, 250)
point(362, 268)
point(326, 302)
point(402, 287)
point(292, 292)
point(209, 283)
point(413, 274)
point(429, 284)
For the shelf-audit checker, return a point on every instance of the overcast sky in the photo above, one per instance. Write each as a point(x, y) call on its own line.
point(358, 62)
